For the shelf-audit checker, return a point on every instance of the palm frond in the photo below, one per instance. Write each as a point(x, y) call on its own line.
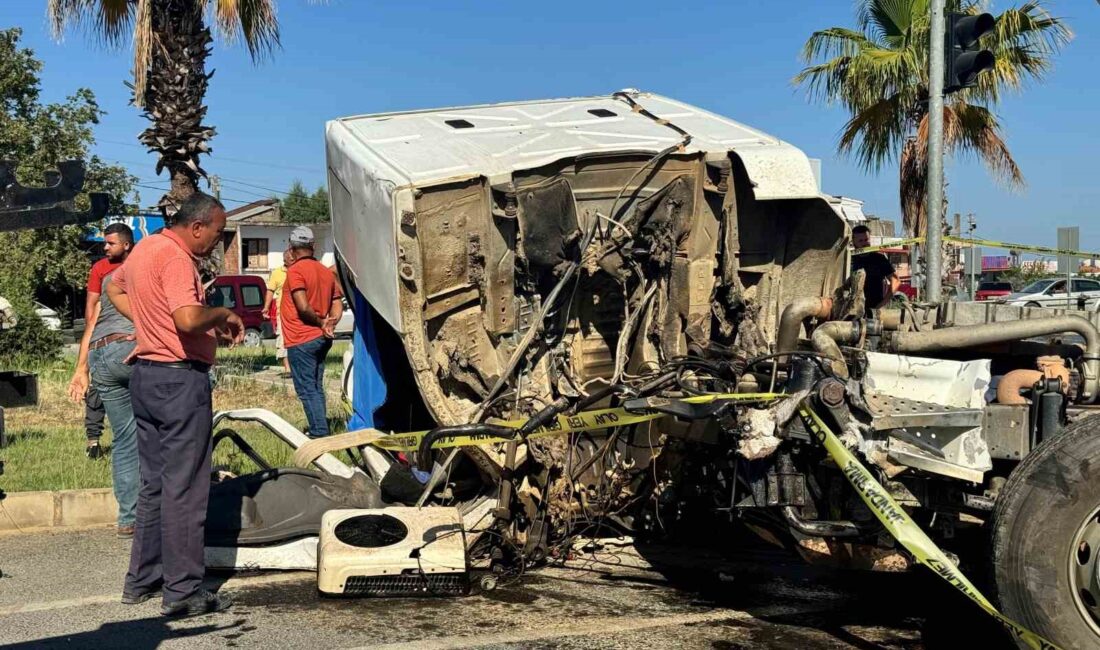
point(859, 81)
point(1024, 41)
point(835, 41)
point(874, 134)
point(890, 20)
point(143, 50)
point(974, 130)
point(253, 21)
point(108, 20)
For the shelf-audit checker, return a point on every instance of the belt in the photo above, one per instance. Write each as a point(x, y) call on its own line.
point(107, 340)
point(185, 364)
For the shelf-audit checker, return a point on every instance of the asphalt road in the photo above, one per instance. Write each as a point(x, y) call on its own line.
point(61, 590)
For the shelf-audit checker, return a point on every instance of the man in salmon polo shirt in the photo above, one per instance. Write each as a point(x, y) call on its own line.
point(159, 289)
point(310, 308)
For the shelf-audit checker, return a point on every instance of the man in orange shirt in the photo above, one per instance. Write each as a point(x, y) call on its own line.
point(310, 307)
point(159, 289)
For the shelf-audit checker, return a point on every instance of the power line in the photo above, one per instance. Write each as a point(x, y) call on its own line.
point(223, 199)
point(241, 189)
point(261, 187)
point(214, 158)
point(235, 181)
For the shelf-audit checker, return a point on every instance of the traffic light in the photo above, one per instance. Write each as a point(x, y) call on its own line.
point(963, 58)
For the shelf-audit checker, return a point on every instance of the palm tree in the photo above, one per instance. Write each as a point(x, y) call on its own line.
point(879, 73)
point(171, 43)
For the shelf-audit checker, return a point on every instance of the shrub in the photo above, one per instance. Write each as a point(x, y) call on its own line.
point(30, 342)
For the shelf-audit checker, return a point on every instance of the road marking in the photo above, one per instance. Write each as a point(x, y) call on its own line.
point(114, 598)
point(606, 625)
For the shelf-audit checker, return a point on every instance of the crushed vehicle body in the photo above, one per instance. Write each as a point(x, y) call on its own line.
point(536, 260)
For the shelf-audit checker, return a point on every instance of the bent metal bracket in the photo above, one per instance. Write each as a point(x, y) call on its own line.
point(50, 205)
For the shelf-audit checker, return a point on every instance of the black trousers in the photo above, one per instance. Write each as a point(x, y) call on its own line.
point(93, 413)
point(174, 418)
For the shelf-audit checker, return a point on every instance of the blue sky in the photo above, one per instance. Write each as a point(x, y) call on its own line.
point(733, 57)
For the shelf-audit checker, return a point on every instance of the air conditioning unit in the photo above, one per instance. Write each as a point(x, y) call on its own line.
point(392, 552)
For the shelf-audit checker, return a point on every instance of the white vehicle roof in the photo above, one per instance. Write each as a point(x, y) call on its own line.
point(494, 140)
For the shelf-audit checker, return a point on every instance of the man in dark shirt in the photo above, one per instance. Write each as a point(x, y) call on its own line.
point(882, 281)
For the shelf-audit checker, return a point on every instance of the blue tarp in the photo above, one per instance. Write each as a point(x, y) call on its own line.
point(368, 390)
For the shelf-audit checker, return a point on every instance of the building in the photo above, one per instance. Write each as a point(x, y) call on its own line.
point(255, 237)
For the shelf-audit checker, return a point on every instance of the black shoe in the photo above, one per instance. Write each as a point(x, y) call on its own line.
point(203, 602)
point(94, 451)
point(137, 599)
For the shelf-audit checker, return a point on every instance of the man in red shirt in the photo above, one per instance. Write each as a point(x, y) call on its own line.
point(160, 290)
point(310, 307)
point(107, 342)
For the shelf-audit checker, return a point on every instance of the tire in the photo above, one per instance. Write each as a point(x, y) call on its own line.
point(1050, 498)
point(1032, 304)
point(252, 338)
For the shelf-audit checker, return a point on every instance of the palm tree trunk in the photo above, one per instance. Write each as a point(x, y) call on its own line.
point(174, 96)
point(912, 186)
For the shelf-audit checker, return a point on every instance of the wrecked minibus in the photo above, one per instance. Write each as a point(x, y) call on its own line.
point(682, 276)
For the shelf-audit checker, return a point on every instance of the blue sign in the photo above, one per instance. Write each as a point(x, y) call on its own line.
point(143, 225)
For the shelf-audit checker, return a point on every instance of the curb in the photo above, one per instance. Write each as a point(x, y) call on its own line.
point(33, 511)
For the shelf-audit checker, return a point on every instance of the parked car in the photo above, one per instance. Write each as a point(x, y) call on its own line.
point(346, 325)
point(906, 287)
point(1052, 293)
point(244, 295)
point(992, 290)
point(49, 316)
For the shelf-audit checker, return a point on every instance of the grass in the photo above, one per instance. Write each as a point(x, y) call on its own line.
point(46, 442)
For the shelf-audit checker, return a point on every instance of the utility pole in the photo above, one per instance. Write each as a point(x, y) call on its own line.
point(934, 238)
point(215, 186)
point(973, 253)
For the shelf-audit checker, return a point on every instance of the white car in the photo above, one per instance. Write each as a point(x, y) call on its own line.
point(50, 317)
point(1052, 293)
point(346, 325)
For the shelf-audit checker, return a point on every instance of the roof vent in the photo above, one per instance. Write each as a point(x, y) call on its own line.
point(601, 112)
point(459, 124)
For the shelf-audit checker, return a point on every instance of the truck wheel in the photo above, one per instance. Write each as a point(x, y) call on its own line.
point(252, 338)
point(1046, 539)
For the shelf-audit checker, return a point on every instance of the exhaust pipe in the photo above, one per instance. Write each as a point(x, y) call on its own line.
point(827, 338)
point(968, 336)
point(794, 314)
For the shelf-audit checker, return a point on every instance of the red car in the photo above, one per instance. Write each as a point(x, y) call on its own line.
point(907, 288)
point(992, 290)
point(244, 295)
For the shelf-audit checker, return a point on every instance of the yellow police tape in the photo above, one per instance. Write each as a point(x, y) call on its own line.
point(584, 421)
point(905, 530)
point(896, 521)
point(1023, 248)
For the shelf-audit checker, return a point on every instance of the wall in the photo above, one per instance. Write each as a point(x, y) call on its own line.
point(231, 264)
point(277, 240)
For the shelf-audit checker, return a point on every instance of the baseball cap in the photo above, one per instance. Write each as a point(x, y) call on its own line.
point(301, 235)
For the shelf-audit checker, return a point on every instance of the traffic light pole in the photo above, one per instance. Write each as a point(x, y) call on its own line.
point(933, 253)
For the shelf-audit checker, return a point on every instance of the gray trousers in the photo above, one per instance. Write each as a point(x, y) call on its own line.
point(174, 418)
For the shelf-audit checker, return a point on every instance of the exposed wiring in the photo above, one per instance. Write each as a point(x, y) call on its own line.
point(536, 325)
